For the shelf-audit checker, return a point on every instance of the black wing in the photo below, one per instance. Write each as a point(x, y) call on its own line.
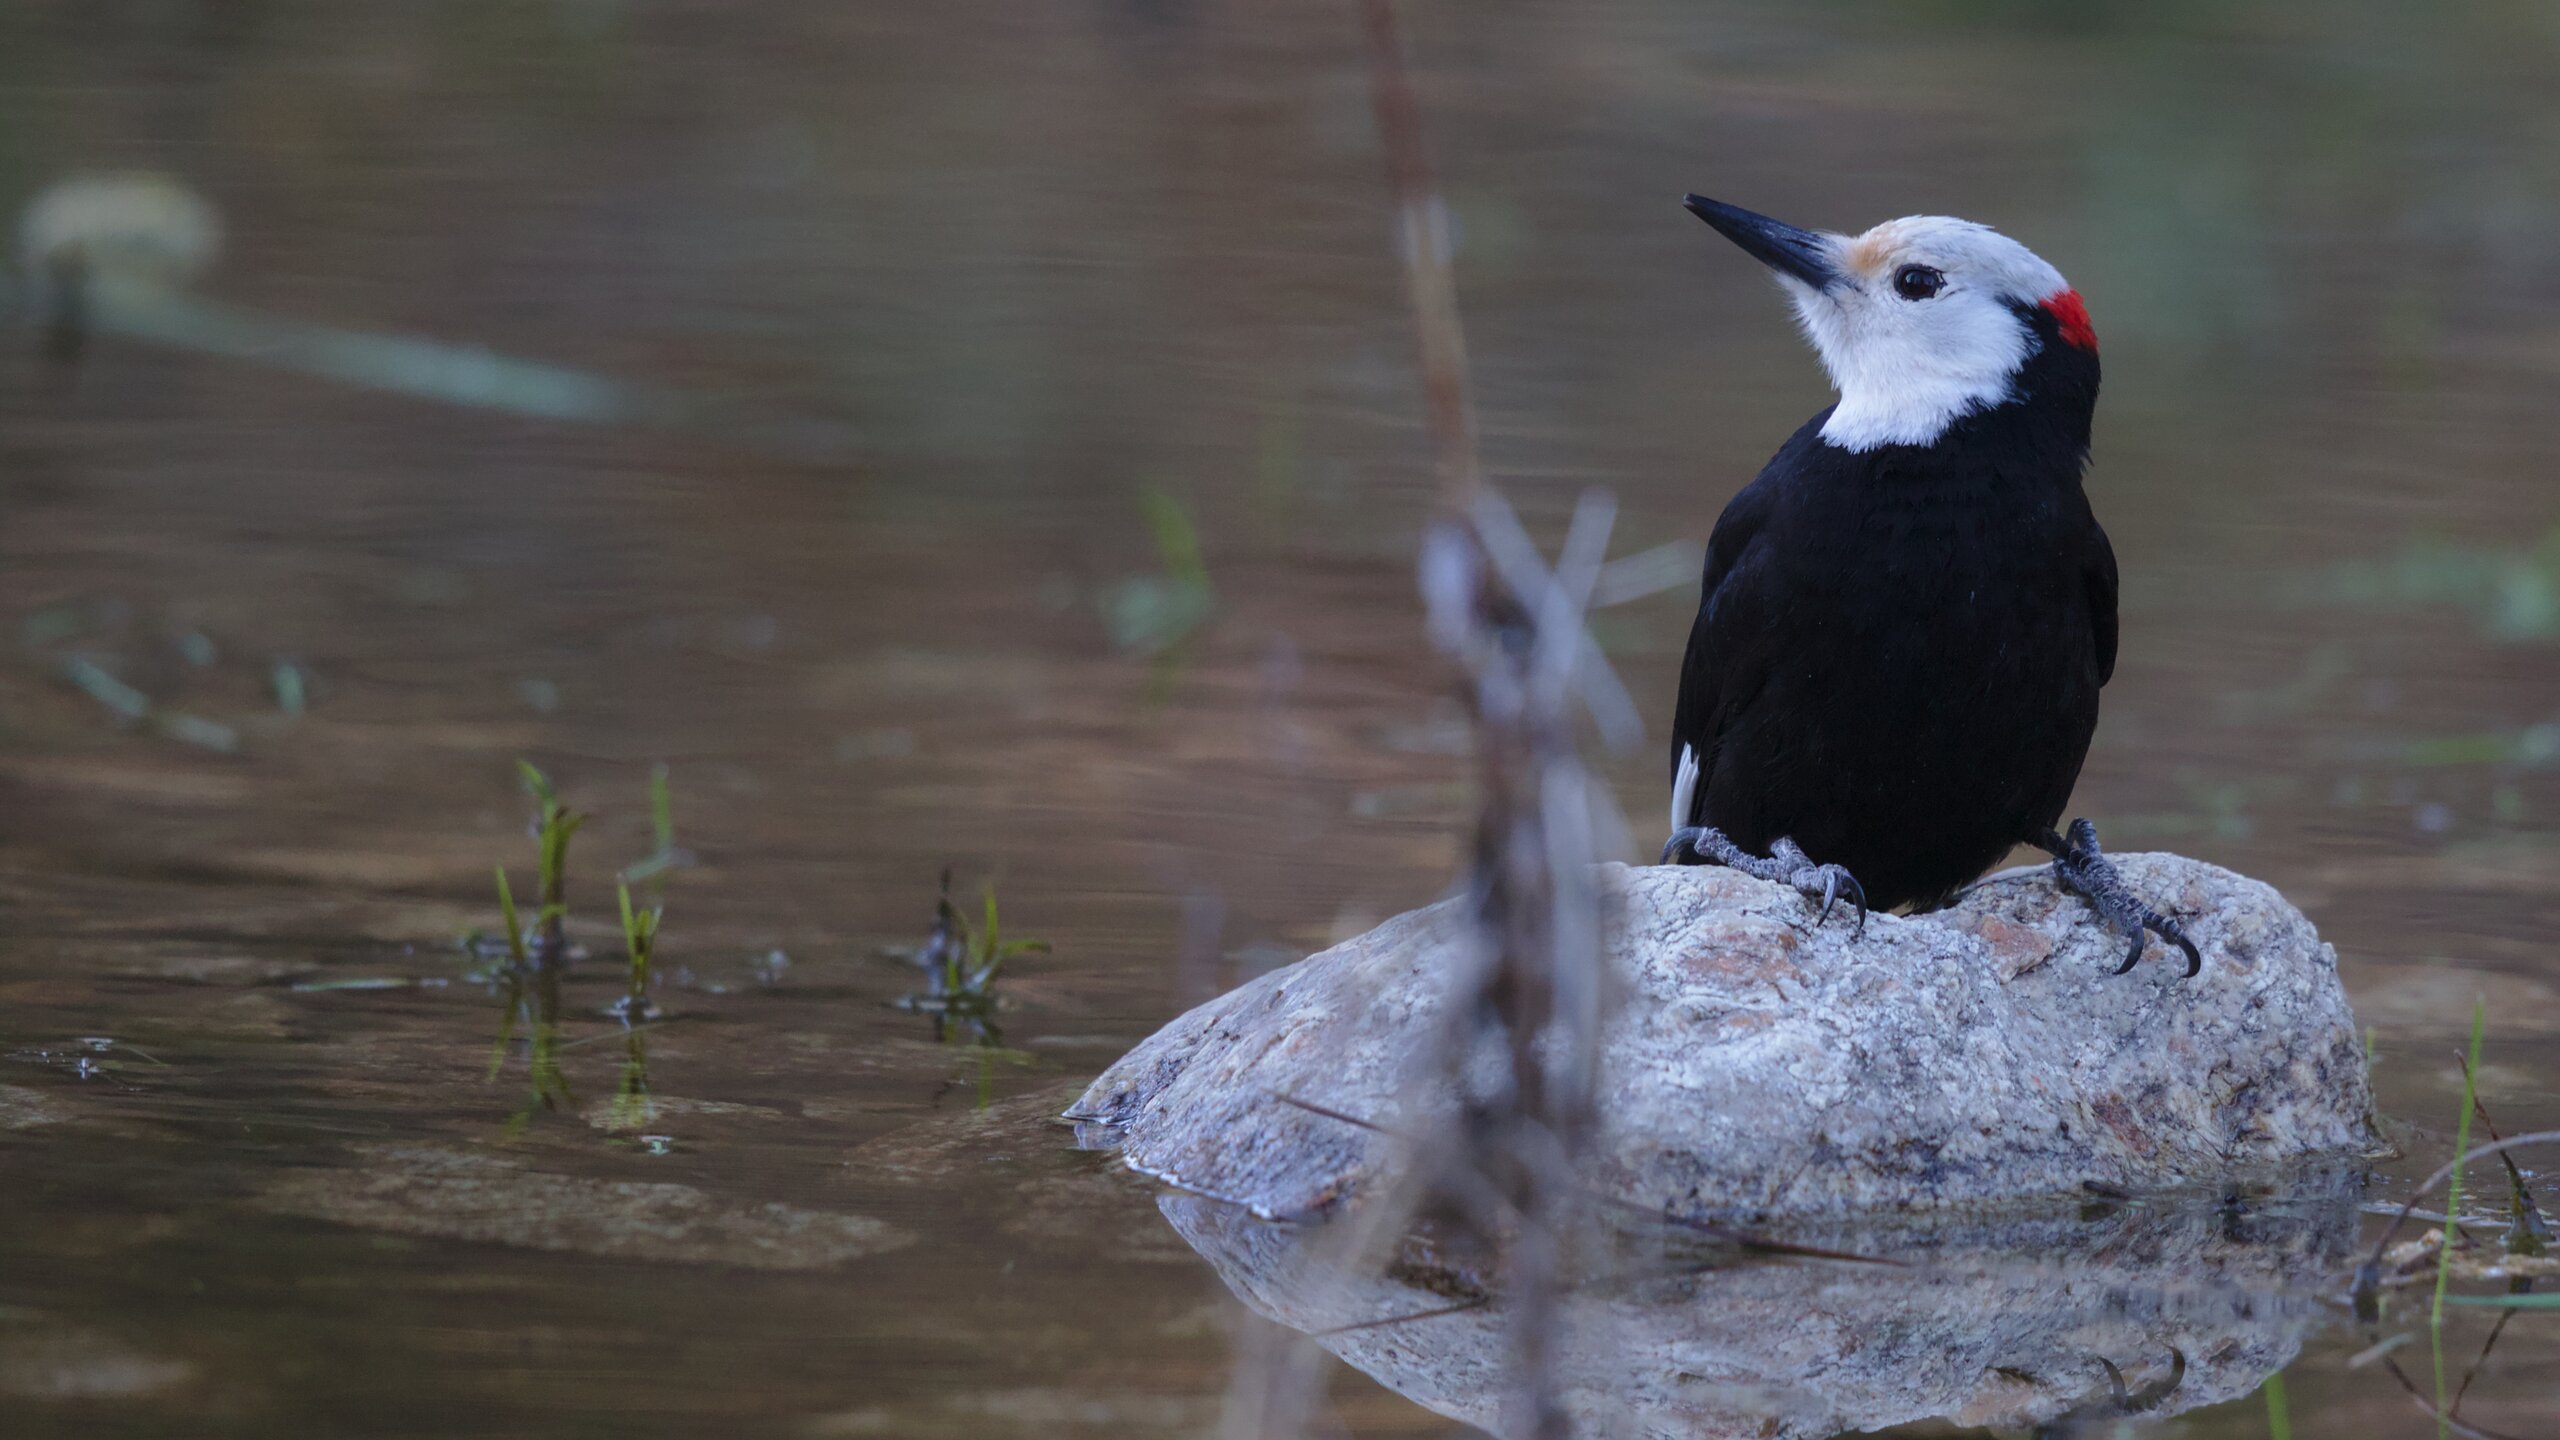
point(2098, 575)
point(1708, 685)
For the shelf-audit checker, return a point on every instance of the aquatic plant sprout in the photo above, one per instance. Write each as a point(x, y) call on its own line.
point(537, 955)
point(962, 961)
point(1149, 614)
point(632, 1107)
point(514, 926)
point(640, 943)
point(554, 824)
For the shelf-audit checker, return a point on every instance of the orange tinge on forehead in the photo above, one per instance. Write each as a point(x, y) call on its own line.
point(2072, 317)
point(1870, 253)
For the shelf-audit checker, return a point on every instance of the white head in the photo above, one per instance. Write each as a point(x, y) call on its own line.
point(1919, 321)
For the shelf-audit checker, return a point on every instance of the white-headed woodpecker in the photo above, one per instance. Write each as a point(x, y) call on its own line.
point(1907, 617)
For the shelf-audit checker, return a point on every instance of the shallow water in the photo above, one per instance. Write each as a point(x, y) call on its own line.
point(948, 292)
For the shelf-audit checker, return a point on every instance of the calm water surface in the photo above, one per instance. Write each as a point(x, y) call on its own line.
point(985, 279)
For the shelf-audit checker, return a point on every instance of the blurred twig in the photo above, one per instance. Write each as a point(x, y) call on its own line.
point(1423, 223)
point(1526, 972)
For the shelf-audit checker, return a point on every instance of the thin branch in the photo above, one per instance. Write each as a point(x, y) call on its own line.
point(2495, 1147)
point(2480, 1360)
point(2528, 1221)
point(2450, 1421)
point(1426, 258)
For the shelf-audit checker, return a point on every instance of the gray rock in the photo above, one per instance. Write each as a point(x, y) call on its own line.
point(1757, 1066)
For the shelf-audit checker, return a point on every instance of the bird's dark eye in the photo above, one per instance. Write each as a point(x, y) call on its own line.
point(1918, 282)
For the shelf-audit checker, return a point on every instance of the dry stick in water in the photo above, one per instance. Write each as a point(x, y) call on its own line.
point(2373, 1263)
point(2527, 1231)
point(1426, 260)
point(1528, 981)
point(2369, 1278)
point(2527, 1234)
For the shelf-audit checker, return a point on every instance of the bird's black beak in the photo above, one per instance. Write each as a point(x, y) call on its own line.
point(1798, 254)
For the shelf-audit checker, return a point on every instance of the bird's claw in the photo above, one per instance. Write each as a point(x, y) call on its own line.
point(2168, 930)
point(2122, 1399)
point(2085, 868)
point(1826, 883)
point(1786, 864)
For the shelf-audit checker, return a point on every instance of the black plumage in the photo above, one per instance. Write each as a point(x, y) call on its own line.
point(1898, 651)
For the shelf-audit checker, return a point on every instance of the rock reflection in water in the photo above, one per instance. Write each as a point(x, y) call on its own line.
point(2031, 1320)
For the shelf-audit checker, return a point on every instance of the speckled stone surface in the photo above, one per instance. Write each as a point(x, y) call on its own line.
point(1757, 1066)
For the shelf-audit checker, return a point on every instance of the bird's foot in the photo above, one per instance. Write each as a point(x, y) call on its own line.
point(1785, 864)
point(2081, 866)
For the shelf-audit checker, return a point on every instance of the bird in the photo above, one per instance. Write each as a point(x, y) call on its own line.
point(1906, 618)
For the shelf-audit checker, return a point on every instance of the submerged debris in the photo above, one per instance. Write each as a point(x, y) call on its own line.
point(461, 1195)
point(48, 1358)
point(22, 1108)
point(101, 242)
point(132, 707)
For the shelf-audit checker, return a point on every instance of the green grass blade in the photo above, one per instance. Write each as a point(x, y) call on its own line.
point(1177, 543)
point(506, 1029)
point(662, 809)
point(2279, 1415)
point(2452, 1208)
point(507, 910)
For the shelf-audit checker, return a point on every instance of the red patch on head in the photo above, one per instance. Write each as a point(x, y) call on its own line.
point(2073, 318)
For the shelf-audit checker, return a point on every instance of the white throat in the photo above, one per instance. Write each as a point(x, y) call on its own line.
point(1904, 384)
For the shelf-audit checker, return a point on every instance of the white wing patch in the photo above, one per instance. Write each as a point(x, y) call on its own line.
point(1684, 788)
